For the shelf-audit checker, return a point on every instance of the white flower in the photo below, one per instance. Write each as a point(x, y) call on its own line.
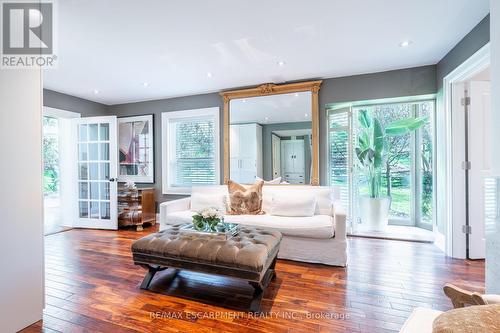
point(211, 213)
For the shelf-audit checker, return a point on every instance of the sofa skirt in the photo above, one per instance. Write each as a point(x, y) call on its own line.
point(330, 251)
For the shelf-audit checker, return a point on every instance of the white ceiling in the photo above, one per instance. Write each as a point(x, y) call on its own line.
point(115, 46)
point(283, 108)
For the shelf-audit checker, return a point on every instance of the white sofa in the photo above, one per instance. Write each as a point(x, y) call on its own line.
point(320, 238)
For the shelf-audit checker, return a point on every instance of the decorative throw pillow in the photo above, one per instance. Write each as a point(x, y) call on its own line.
point(245, 200)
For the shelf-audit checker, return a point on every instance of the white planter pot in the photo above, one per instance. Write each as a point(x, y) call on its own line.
point(374, 213)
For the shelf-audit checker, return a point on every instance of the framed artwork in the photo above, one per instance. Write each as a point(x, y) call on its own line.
point(135, 140)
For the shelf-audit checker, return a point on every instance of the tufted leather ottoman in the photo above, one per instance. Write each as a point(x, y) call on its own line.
point(250, 255)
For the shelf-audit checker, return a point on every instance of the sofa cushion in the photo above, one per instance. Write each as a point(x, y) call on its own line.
point(293, 205)
point(317, 226)
point(200, 201)
point(324, 195)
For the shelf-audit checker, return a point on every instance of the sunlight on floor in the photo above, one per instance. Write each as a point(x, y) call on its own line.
point(399, 233)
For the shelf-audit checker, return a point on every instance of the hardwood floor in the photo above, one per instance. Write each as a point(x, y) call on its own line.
point(92, 286)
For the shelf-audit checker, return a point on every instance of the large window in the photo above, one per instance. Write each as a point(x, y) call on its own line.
point(190, 149)
point(407, 171)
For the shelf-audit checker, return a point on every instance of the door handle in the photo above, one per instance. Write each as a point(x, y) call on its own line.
point(112, 180)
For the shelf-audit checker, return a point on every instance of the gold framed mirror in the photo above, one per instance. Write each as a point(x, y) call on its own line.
point(272, 132)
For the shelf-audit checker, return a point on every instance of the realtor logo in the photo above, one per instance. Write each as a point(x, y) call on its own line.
point(27, 34)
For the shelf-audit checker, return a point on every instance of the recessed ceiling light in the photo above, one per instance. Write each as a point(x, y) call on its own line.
point(209, 75)
point(296, 94)
point(266, 119)
point(244, 100)
point(306, 115)
point(146, 84)
point(96, 91)
point(281, 63)
point(405, 43)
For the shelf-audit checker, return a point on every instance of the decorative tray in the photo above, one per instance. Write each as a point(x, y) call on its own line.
point(224, 232)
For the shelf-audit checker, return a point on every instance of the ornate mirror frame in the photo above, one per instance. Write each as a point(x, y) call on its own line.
point(275, 89)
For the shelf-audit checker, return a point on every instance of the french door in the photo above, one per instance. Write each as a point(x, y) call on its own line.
point(96, 159)
point(407, 172)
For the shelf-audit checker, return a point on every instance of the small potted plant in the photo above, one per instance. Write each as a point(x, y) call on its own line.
point(208, 219)
point(371, 151)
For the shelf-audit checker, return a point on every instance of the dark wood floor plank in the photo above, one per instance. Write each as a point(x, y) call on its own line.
point(93, 286)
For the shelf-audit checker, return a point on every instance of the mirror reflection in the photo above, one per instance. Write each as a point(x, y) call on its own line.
point(270, 139)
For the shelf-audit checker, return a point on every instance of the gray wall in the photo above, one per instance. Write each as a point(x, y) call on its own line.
point(472, 42)
point(62, 101)
point(267, 147)
point(165, 105)
point(397, 83)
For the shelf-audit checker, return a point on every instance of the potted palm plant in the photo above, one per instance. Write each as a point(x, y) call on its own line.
point(371, 149)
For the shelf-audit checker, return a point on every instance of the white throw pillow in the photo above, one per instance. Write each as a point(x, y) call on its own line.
point(294, 205)
point(200, 201)
point(267, 202)
point(275, 181)
point(324, 201)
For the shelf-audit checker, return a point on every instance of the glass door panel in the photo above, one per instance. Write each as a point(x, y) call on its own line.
point(96, 172)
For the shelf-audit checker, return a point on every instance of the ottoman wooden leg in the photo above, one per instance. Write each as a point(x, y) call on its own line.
point(149, 276)
point(257, 297)
point(273, 268)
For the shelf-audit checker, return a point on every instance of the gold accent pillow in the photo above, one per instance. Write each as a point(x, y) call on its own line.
point(245, 200)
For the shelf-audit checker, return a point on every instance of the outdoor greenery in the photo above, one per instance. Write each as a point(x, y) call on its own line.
point(375, 141)
point(50, 148)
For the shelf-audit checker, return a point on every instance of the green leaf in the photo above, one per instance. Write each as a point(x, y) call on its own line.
point(363, 140)
point(404, 126)
point(418, 122)
point(364, 156)
point(364, 119)
point(377, 160)
point(378, 136)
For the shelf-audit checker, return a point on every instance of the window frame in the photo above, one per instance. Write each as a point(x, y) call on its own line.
point(166, 119)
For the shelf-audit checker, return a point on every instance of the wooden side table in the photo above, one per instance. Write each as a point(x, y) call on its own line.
point(136, 207)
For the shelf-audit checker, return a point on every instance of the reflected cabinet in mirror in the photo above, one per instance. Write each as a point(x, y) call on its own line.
point(271, 133)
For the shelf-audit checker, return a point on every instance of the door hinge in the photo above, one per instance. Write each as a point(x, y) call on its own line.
point(465, 101)
point(467, 229)
point(466, 165)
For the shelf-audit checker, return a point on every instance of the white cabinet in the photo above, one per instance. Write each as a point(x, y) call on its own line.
point(245, 152)
point(293, 161)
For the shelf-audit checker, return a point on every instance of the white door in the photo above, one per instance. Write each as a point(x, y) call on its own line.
point(248, 153)
point(298, 156)
point(287, 153)
point(96, 172)
point(479, 146)
point(276, 143)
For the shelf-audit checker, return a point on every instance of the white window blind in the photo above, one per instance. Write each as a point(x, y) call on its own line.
point(193, 152)
point(192, 149)
point(339, 153)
